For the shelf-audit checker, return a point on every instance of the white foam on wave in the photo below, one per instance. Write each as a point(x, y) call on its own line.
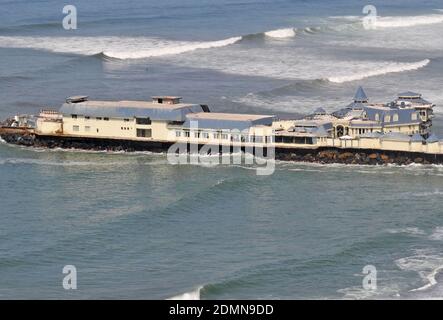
point(64, 163)
point(190, 295)
point(397, 21)
point(390, 67)
point(360, 293)
point(437, 234)
point(408, 230)
point(281, 33)
point(408, 21)
point(426, 263)
point(114, 47)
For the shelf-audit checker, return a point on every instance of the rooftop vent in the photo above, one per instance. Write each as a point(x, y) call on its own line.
point(77, 99)
point(166, 99)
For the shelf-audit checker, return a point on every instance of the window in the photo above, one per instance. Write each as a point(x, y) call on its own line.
point(377, 117)
point(387, 118)
point(235, 137)
point(73, 116)
point(178, 133)
point(76, 128)
point(106, 119)
point(98, 118)
point(126, 120)
point(205, 135)
point(87, 118)
point(395, 117)
point(414, 116)
point(196, 134)
point(144, 121)
point(186, 134)
point(224, 136)
point(87, 128)
point(144, 133)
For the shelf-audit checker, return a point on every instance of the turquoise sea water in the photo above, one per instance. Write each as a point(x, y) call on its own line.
point(137, 227)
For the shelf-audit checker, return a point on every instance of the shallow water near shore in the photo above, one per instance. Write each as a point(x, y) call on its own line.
point(137, 227)
point(286, 231)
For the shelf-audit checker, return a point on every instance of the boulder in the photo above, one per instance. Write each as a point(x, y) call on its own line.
point(346, 155)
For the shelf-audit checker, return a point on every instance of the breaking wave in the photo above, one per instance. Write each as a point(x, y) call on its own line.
point(390, 21)
point(190, 295)
point(119, 47)
point(393, 67)
point(113, 47)
point(407, 230)
point(427, 264)
point(281, 33)
point(408, 21)
point(437, 234)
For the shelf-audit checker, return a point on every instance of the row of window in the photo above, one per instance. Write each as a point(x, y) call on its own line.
point(77, 128)
point(142, 121)
point(395, 117)
point(74, 116)
point(224, 136)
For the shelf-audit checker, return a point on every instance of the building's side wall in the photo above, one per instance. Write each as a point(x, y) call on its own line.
point(408, 129)
point(112, 128)
point(48, 127)
point(395, 145)
point(160, 130)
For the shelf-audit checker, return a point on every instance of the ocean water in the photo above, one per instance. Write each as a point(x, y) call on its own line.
point(137, 227)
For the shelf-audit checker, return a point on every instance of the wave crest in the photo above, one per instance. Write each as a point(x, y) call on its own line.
point(281, 33)
point(190, 295)
point(113, 47)
point(393, 67)
point(427, 264)
point(411, 21)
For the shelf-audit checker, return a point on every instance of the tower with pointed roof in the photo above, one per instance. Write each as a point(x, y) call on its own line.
point(360, 96)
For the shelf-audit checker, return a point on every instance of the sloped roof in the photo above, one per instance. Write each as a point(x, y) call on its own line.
point(360, 95)
point(320, 111)
point(432, 138)
point(396, 136)
point(417, 138)
point(129, 109)
point(370, 135)
point(409, 94)
point(227, 121)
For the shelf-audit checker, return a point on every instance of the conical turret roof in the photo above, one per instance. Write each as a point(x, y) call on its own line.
point(360, 95)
